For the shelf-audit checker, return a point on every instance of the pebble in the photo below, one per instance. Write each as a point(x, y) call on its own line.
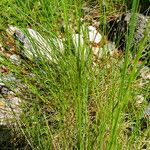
point(4, 90)
point(109, 47)
point(140, 99)
point(147, 112)
point(1, 48)
point(145, 72)
point(15, 59)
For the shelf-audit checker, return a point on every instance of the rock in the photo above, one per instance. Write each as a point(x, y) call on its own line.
point(120, 25)
point(107, 49)
point(118, 28)
point(15, 59)
point(9, 102)
point(94, 35)
point(43, 46)
point(94, 38)
point(9, 106)
point(110, 47)
point(91, 12)
point(4, 69)
point(8, 78)
point(35, 45)
point(3, 89)
point(140, 99)
point(1, 48)
point(145, 72)
point(144, 6)
point(98, 52)
point(92, 41)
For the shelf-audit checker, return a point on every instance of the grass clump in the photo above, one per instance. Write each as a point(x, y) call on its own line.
point(71, 103)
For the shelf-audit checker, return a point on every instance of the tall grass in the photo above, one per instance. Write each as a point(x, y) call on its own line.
point(72, 104)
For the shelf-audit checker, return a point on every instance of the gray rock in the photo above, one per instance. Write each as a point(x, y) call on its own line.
point(35, 45)
point(118, 28)
point(8, 78)
point(15, 59)
point(120, 25)
point(9, 109)
point(110, 47)
point(9, 106)
point(145, 72)
point(4, 90)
